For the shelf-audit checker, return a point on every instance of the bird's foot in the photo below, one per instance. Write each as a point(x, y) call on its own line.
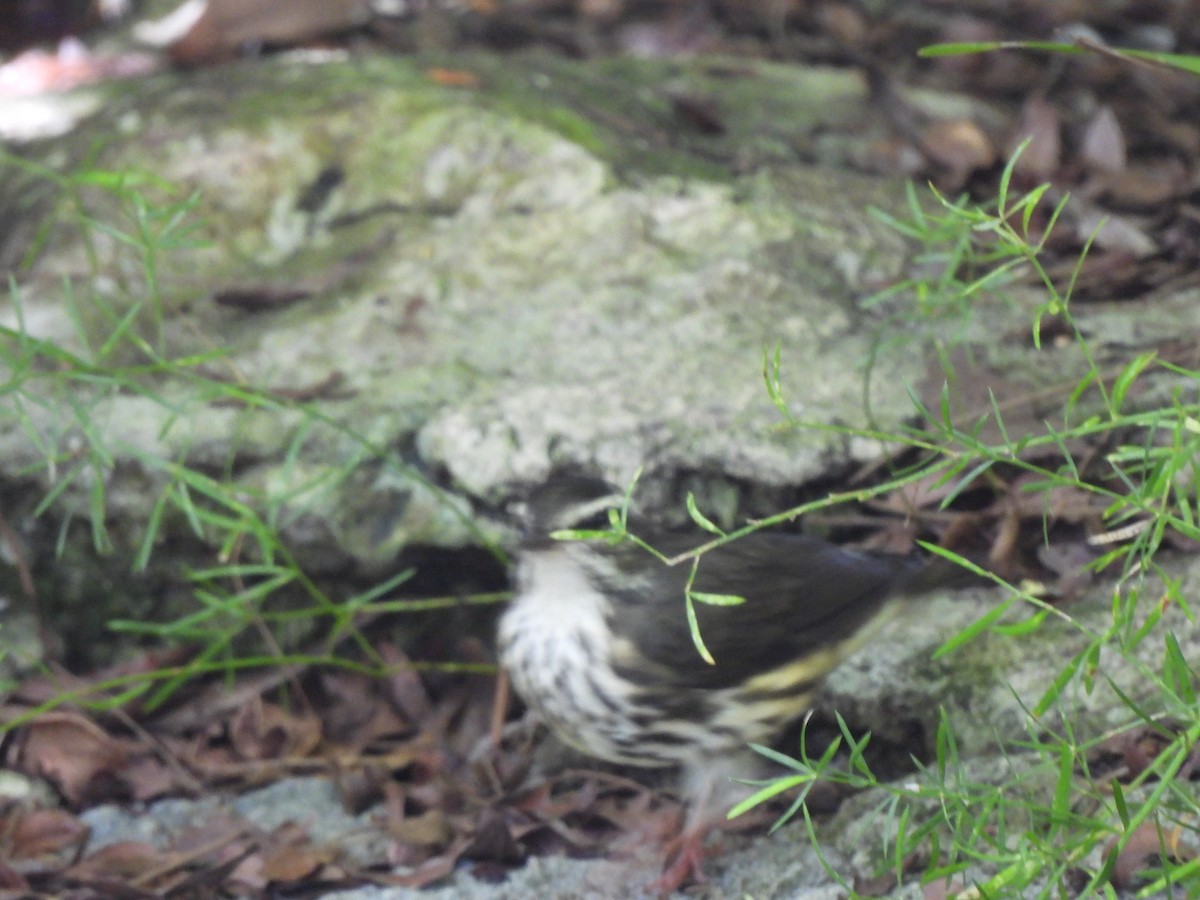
point(685, 863)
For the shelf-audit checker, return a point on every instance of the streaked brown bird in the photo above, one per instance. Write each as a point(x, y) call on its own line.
point(596, 641)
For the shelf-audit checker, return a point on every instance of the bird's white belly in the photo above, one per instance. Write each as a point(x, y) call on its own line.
point(557, 648)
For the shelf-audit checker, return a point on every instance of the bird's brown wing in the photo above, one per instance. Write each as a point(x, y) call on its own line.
point(802, 594)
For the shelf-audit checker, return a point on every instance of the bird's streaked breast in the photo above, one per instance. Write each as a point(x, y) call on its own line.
point(557, 647)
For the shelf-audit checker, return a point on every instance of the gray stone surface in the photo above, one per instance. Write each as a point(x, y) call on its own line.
point(487, 288)
point(484, 292)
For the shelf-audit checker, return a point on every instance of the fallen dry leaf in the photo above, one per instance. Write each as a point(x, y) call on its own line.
point(429, 829)
point(1039, 124)
point(1147, 848)
point(121, 861)
point(261, 730)
point(29, 834)
point(959, 147)
point(293, 865)
point(75, 754)
point(1103, 148)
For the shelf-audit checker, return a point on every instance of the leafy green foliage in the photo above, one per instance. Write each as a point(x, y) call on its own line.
point(1037, 827)
point(1183, 61)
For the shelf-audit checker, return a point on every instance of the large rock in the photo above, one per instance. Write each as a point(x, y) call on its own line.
point(468, 286)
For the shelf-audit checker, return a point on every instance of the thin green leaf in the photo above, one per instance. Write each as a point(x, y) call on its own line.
point(692, 620)
point(1118, 795)
point(694, 630)
point(717, 599)
point(975, 629)
point(1027, 626)
point(1177, 673)
point(966, 47)
point(1061, 806)
point(1128, 376)
point(774, 789)
point(700, 519)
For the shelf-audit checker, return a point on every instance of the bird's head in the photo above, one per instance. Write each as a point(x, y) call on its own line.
point(567, 502)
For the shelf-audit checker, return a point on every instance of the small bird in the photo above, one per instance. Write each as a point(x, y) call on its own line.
point(596, 641)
